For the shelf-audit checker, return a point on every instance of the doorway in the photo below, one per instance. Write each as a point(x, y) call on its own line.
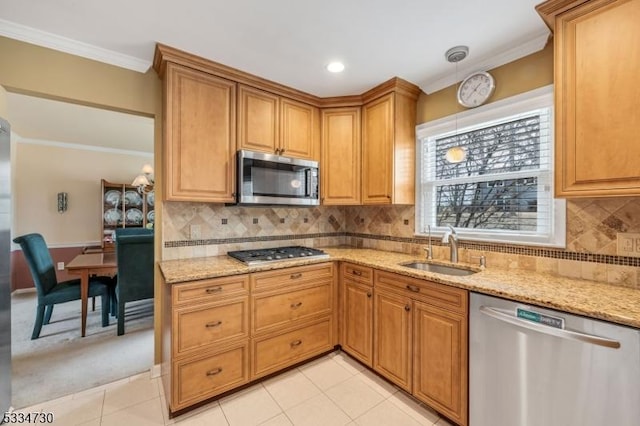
point(65, 147)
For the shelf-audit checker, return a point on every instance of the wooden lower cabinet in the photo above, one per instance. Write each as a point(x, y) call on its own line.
point(222, 333)
point(440, 360)
point(392, 341)
point(210, 373)
point(421, 341)
point(357, 321)
point(275, 352)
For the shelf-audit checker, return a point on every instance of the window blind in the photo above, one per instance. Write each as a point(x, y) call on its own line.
point(502, 187)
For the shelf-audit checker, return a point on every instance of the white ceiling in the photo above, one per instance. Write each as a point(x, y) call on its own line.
point(49, 121)
point(290, 41)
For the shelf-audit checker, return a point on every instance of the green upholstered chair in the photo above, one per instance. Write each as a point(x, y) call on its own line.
point(50, 291)
point(134, 252)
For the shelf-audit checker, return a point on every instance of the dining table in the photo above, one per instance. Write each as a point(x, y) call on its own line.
point(87, 265)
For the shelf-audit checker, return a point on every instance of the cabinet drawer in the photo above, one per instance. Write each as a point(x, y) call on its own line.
point(361, 274)
point(286, 277)
point(195, 327)
point(274, 353)
point(440, 295)
point(205, 375)
point(283, 308)
point(209, 290)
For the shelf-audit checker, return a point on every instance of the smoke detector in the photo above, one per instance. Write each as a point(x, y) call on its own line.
point(456, 54)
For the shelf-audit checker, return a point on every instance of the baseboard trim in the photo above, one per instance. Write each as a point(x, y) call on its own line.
point(23, 290)
point(156, 371)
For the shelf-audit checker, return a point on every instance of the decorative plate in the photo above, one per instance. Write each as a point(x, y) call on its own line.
point(151, 216)
point(132, 198)
point(151, 198)
point(133, 216)
point(112, 197)
point(112, 216)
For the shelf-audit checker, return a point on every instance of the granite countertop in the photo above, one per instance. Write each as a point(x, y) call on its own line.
point(620, 305)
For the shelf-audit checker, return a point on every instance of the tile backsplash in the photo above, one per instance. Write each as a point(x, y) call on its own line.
point(198, 229)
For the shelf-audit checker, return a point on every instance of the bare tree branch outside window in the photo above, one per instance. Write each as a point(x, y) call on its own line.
point(506, 204)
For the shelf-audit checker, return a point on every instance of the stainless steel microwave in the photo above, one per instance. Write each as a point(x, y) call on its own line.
point(274, 179)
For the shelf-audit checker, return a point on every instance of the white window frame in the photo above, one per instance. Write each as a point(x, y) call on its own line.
point(462, 122)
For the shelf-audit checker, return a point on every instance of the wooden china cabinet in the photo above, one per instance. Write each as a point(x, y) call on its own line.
point(124, 207)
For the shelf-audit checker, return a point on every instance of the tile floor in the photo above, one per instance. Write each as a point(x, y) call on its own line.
point(333, 390)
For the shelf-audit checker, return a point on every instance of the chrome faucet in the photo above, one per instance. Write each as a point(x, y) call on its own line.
point(452, 239)
point(429, 249)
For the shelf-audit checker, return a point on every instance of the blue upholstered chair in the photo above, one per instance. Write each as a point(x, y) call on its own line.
point(50, 291)
point(134, 251)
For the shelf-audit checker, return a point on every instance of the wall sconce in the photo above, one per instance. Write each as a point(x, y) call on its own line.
point(144, 181)
point(62, 202)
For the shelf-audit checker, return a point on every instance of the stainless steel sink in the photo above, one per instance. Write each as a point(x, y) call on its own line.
point(438, 269)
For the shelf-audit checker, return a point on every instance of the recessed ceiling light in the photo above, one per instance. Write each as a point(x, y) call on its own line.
point(335, 67)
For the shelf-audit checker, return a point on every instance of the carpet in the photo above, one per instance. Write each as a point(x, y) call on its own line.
point(61, 362)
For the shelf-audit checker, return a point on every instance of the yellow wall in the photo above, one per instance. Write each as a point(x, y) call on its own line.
point(3, 102)
point(522, 75)
point(42, 171)
point(39, 71)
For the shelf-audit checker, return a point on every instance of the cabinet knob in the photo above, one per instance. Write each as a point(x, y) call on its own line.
point(369, 294)
point(213, 290)
point(407, 308)
point(214, 324)
point(413, 288)
point(295, 276)
point(296, 305)
point(358, 273)
point(296, 343)
point(282, 151)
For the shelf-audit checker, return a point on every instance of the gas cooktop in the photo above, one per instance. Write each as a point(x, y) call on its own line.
point(278, 254)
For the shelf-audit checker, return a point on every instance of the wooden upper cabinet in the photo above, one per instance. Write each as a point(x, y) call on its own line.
point(388, 149)
point(341, 156)
point(299, 129)
point(597, 119)
point(276, 125)
point(200, 138)
point(258, 120)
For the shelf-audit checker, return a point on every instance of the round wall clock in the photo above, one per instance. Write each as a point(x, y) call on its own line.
point(476, 89)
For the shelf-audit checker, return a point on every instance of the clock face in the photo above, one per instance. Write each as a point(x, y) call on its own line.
point(476, 89)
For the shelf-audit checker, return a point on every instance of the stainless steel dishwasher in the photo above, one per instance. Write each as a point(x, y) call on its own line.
point(530, 366)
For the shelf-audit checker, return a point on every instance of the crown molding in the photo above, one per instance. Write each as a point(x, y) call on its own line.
point(66, 145)
point(533, 45)
point(67, 45)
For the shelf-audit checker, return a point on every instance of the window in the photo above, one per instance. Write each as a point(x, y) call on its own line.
point(488, 172)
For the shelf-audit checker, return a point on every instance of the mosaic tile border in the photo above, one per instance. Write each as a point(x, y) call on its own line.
point(498, 248)
point(216, 241)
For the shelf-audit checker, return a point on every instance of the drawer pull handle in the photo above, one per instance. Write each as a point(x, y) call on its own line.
point(214, 290)
point(358, 273)
point(407, 308)
point(369, 294)
point(214, 372)
point(413, 288)
point(296, 343)
point(214, 324)
point(295, 276)
point(296, 305)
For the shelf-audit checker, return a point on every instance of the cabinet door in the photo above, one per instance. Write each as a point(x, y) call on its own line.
point(299, 129)
point(440, 363)
point(357, 321)
point(258, 120)
point(377, 150)
point(340, 166)
point(200, 132)
point(392, 354)
point(597, 119)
